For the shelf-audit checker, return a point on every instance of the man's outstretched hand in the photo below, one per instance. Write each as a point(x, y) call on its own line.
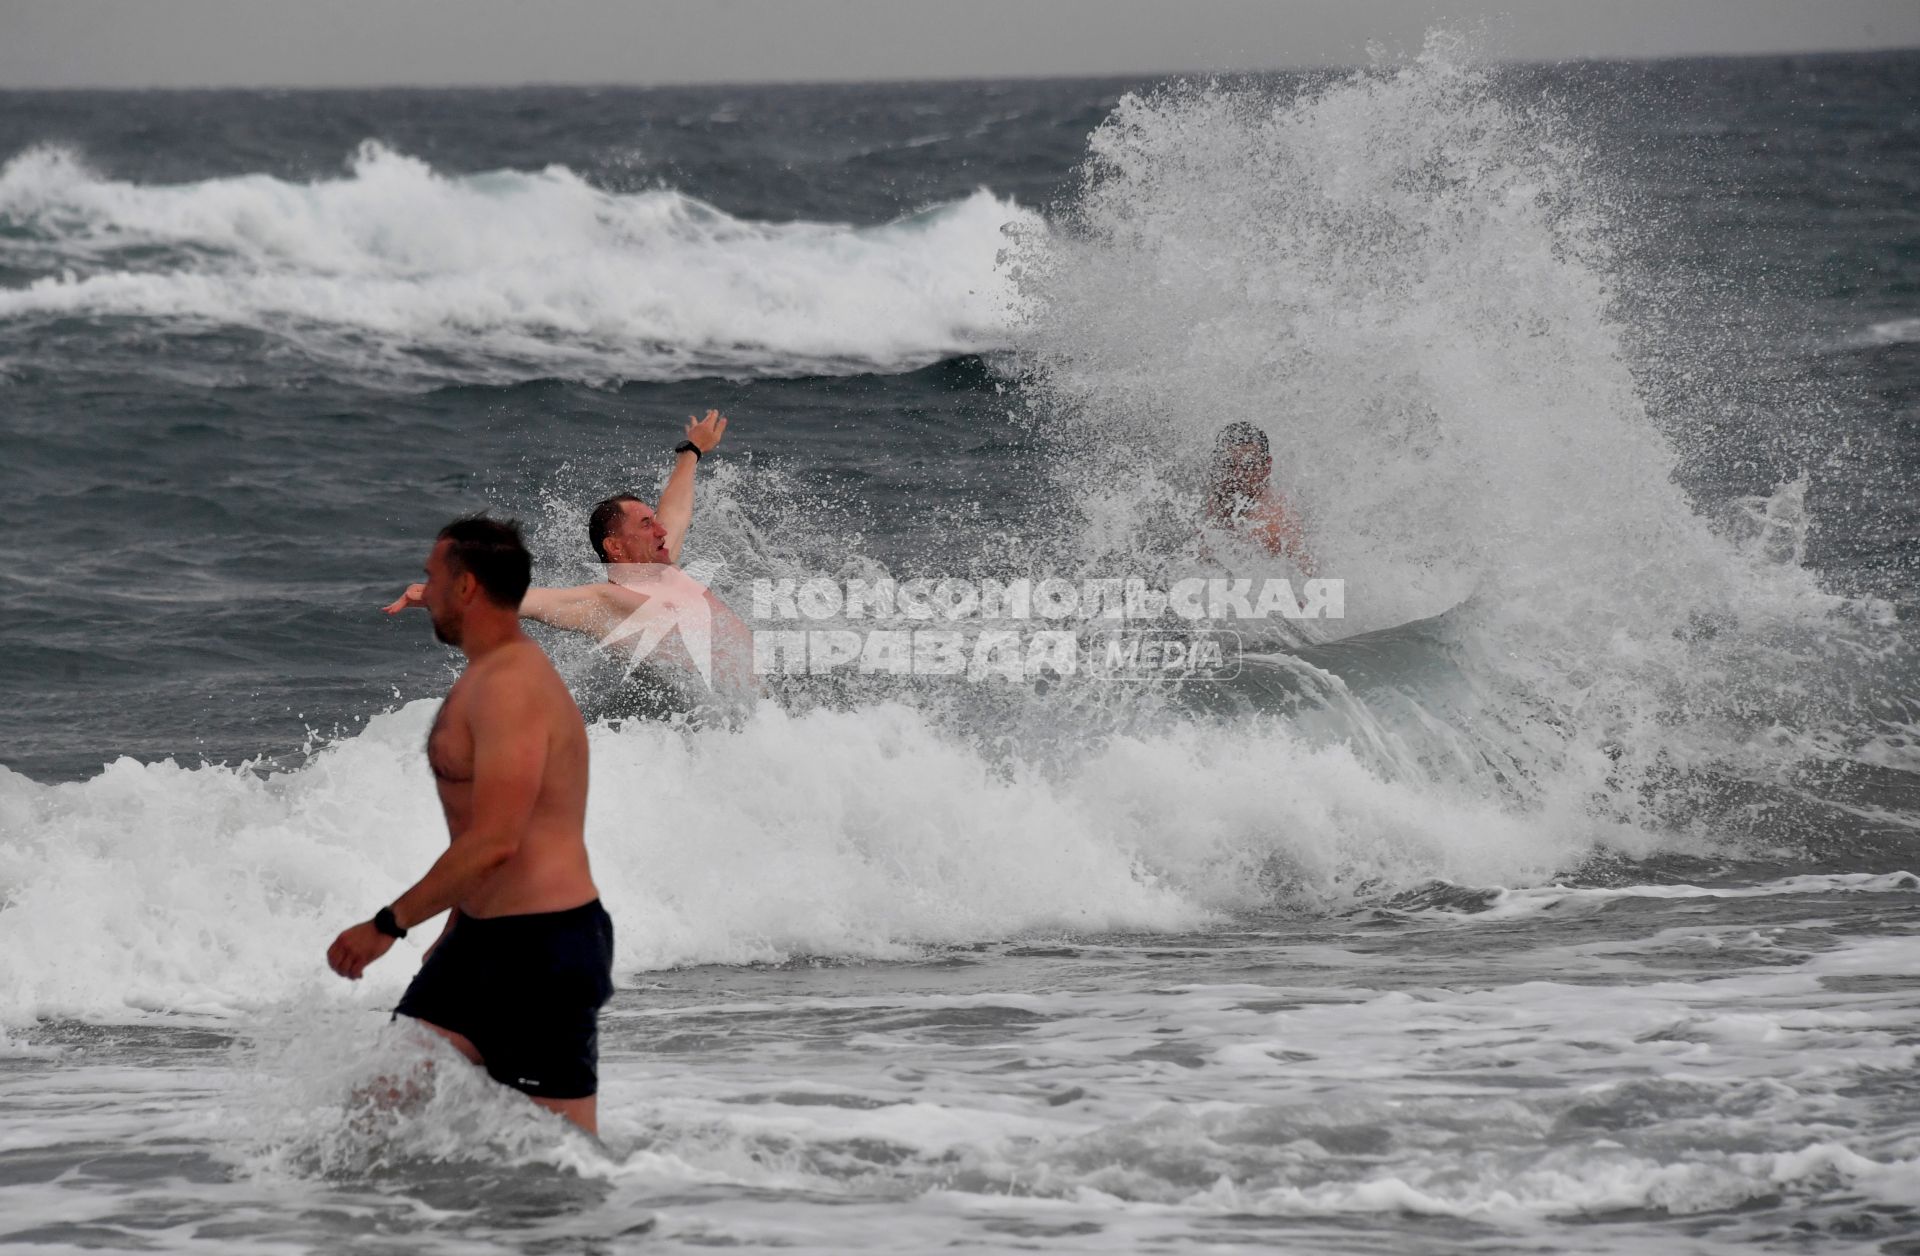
point(416, 594)
point(706, 433)
point(354, 949)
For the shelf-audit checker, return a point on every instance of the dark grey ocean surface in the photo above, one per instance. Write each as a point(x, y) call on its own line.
point(1568, 908)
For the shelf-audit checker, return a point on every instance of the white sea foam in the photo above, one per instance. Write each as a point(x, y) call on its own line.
point(1531, 1099)
point(1533, 900)
point(1895, 331)
point(163, 889)
point(398, 268)
point(1122, 1105)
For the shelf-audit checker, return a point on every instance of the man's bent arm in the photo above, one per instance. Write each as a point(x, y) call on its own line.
point(509, 762)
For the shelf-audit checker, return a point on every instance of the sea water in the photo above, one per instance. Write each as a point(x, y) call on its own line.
point(1559, 898)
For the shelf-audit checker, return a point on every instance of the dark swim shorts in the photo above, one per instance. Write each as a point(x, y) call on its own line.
point(526, 991)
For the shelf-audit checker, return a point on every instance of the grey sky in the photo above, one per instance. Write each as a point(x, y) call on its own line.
point(65, 43)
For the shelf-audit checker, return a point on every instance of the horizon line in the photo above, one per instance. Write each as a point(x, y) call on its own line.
point(954, 79)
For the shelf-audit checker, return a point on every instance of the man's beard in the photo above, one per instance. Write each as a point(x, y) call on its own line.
point(443, 634)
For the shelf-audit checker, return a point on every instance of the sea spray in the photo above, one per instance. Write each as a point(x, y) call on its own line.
point(1405, 278)
point(340, 1092)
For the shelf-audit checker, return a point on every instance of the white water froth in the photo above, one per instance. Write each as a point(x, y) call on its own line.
point(1896, 331)
point(1406, 279)
point(1567, 901)
point(1581, 1090)
point(163, 889)
point(396, 267)
point(1542, 1096)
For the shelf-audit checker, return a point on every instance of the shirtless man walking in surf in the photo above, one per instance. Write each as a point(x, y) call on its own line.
point(517, 978)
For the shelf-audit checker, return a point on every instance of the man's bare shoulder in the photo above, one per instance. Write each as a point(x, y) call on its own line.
point(521, 695)
point(515, 675)
point(461, 692)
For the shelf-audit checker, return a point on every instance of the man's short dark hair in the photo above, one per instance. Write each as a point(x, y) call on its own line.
point(491, 549)
point(605, 515)
point(1240, 433)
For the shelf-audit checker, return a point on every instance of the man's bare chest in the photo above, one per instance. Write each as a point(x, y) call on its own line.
point(449, 743)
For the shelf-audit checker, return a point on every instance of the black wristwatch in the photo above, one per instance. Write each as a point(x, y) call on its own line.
point(688, 447)
point(384, 922)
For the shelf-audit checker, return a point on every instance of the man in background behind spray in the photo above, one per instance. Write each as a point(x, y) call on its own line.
point(1242, 499)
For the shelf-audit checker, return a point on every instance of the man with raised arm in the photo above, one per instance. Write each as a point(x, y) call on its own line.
point(646, 605)
point(525, 961)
